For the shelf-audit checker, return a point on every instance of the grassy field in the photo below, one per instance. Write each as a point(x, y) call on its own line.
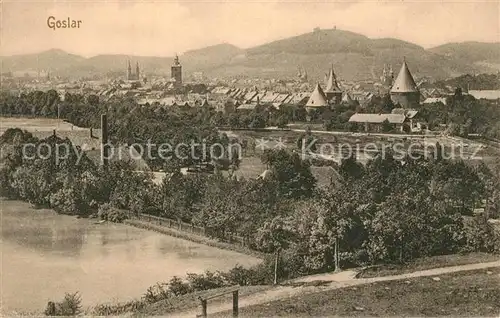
point(472, 293)
point(35, 124)
point(428, 263)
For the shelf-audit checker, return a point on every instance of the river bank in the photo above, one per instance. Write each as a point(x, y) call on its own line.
point(193, 237)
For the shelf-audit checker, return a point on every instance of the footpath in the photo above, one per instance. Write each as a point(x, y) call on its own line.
point(331, 281)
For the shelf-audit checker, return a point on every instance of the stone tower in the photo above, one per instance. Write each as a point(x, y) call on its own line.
point(317, 99)
point(176, 72)
point(404, 91)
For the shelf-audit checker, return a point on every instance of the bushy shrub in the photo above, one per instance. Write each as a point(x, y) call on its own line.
point(238, 275)
point(118, 309)
point(71, 305)
point(480, 236)
point(64, 201)
point(291, 264)
point(208, 280)
point(156, 293)
point(109, 213)
point(178, 287)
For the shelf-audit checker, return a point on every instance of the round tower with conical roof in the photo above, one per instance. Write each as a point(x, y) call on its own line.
point(404, 91)
point(317, 100)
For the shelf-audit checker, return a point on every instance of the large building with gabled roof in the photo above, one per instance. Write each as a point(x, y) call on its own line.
point(404, 91)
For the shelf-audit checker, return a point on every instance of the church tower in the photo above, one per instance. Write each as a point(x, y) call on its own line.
point(387, 77)
point(333, 92)
point(404, 91)
point(176, 72)
point(129, 71)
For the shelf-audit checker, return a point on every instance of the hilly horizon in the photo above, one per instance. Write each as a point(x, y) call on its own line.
point(354, 57)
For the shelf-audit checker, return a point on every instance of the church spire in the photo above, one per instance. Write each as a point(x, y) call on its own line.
point(332, 84)
point(129, 70)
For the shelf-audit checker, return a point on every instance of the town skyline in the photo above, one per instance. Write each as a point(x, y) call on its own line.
point(193, 25)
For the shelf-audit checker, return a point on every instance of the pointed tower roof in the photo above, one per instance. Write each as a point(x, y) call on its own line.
point(404, 83)
point(304, 74)
point(332, 85)
point(176, 60)
point(318, 98)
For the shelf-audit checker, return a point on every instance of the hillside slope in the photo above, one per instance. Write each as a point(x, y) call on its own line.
point(470, 51)
point(53, 60)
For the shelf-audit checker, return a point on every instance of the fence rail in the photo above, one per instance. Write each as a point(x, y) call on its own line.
point(185, 227)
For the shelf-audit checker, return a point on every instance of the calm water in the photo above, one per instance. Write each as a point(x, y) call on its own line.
point(45, 255)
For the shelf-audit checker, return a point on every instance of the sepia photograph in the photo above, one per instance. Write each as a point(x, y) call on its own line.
point(262, 158)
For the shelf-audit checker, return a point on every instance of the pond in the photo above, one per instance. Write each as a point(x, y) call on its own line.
point(45, 254)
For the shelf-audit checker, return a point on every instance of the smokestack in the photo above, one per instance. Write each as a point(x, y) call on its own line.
point(91, 133)
point(104, 140)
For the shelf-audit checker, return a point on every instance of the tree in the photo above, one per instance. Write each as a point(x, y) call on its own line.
point(292, 174)
point(351, 169)
point(387, 126)
point(282, 122)
point(274, 236)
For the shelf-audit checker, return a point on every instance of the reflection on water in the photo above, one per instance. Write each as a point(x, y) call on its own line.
point(46, 255)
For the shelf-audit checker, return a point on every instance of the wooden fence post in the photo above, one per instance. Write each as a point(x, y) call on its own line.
point(203, 308)
point(235, 303)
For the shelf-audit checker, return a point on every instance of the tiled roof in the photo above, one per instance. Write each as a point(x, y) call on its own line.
point(377, 118)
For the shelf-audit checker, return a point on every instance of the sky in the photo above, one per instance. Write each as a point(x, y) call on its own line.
point(163, 28)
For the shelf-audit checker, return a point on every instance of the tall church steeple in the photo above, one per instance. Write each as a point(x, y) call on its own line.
point(333, 91)
point(129, 71)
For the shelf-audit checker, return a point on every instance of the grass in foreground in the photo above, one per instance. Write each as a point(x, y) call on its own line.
point(428, 263)
point(472, 293)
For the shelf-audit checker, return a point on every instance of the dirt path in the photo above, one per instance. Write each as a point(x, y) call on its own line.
point(334, 281)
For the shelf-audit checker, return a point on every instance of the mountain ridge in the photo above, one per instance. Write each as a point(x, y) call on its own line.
point(354, 56)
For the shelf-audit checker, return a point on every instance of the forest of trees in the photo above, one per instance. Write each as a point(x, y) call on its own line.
point(387, 212)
